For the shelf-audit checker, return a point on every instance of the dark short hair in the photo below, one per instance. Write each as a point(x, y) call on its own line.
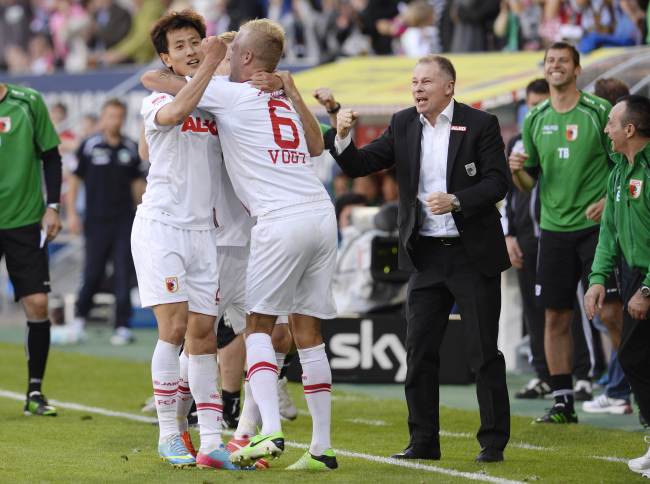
point(443, 63)
point(115, 102)
point(565, 46)
point(175, 21)
point(637, 113)
point(348, 199)
point(537, 86)
point(611, 89)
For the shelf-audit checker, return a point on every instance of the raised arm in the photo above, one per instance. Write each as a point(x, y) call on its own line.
point(313, 134)
point(163, 80)
point(325, 98)
point(189, 96)
point(375, 156)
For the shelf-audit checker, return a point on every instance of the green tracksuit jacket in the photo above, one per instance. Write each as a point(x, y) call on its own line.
point(625, 225)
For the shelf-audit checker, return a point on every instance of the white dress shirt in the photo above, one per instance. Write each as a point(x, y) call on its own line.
point(433, 172)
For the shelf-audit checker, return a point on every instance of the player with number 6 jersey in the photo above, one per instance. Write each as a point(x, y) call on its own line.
point(293, 244)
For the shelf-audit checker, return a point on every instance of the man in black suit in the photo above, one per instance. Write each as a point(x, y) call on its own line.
point(451, 171)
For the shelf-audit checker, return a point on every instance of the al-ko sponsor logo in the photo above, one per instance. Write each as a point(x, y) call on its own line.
point(360, 350)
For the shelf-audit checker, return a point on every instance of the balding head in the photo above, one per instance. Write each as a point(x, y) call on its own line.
point(258, 46)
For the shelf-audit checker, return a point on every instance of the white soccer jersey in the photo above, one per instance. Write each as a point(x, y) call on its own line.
point(185, 172)
point(264, 146)
point(234, 223)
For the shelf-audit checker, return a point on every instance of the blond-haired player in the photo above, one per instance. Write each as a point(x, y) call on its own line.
point(267, 140)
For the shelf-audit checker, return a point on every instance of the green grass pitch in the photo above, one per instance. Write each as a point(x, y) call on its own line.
point(85, 447)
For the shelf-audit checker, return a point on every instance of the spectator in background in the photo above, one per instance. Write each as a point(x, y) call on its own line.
point(414, 27)
point(370, 187)
point(419, 39)
point(17, 60)
point(68, 25)
point(473, 25)
point(517, 24)
point(374, 11)
point(14, 26)
point(136, 46)
point(605, 23)
point(41, 53)
point(110, 23)
point(109, 166)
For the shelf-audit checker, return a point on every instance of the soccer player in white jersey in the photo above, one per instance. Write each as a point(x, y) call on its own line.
point(293, 245)
point(174, 224)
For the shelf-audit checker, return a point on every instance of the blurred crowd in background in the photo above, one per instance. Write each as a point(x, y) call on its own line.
point(43, 36)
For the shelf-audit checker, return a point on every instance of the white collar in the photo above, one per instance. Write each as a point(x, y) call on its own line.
point(448, 113)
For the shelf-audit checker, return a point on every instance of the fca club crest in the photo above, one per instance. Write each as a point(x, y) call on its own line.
point(171, 283)
point(635, 188)
point(571, 132)
point(5, 125)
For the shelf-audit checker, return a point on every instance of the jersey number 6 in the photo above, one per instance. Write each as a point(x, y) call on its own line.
point(277, 121)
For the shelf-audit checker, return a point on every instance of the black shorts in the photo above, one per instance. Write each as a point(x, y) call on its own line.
point(564, 259)
point(27, 261)
point(225, 334)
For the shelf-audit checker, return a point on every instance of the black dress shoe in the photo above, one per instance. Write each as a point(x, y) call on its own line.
point(489, 454)
point(418, 452)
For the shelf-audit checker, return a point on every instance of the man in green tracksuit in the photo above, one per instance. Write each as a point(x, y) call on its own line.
point(625, 231)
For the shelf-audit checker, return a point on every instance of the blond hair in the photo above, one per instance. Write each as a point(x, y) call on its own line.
point(266, 40)
point(227, 37)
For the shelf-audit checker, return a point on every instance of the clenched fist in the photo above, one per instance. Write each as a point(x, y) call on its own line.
point(214, 50)
point(345, 120)
point(516, 161)
point(439, 203)
point(325, 98)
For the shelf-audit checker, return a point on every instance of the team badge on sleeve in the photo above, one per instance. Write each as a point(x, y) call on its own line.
point(171, 283)
point(5, 125)
point(571, 132)
point(635, 188)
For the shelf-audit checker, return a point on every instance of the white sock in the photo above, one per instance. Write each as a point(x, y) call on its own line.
point(185, 398)
point(317, 384)
point(263, 378)
point(279, 359)
point(250, 415)
point(202, 372)
point(164, 375)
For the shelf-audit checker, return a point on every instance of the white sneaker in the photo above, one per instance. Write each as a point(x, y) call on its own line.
point(583, 391)
point(604, 404)
point(288, 410)
point(122, 337)
point(641, 464)
point(69, 334)
point(149, 405)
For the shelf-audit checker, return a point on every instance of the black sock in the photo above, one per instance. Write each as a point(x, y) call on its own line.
point(287, 363)
point(562, 387)
point(38, 347)
point(231, 404)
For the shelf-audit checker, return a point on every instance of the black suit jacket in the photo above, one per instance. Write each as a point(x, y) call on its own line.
point(478, 141)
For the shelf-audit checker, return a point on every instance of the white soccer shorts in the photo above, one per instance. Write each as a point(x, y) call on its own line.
point(175, 265)
point(233, 262)
point(292, 262)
